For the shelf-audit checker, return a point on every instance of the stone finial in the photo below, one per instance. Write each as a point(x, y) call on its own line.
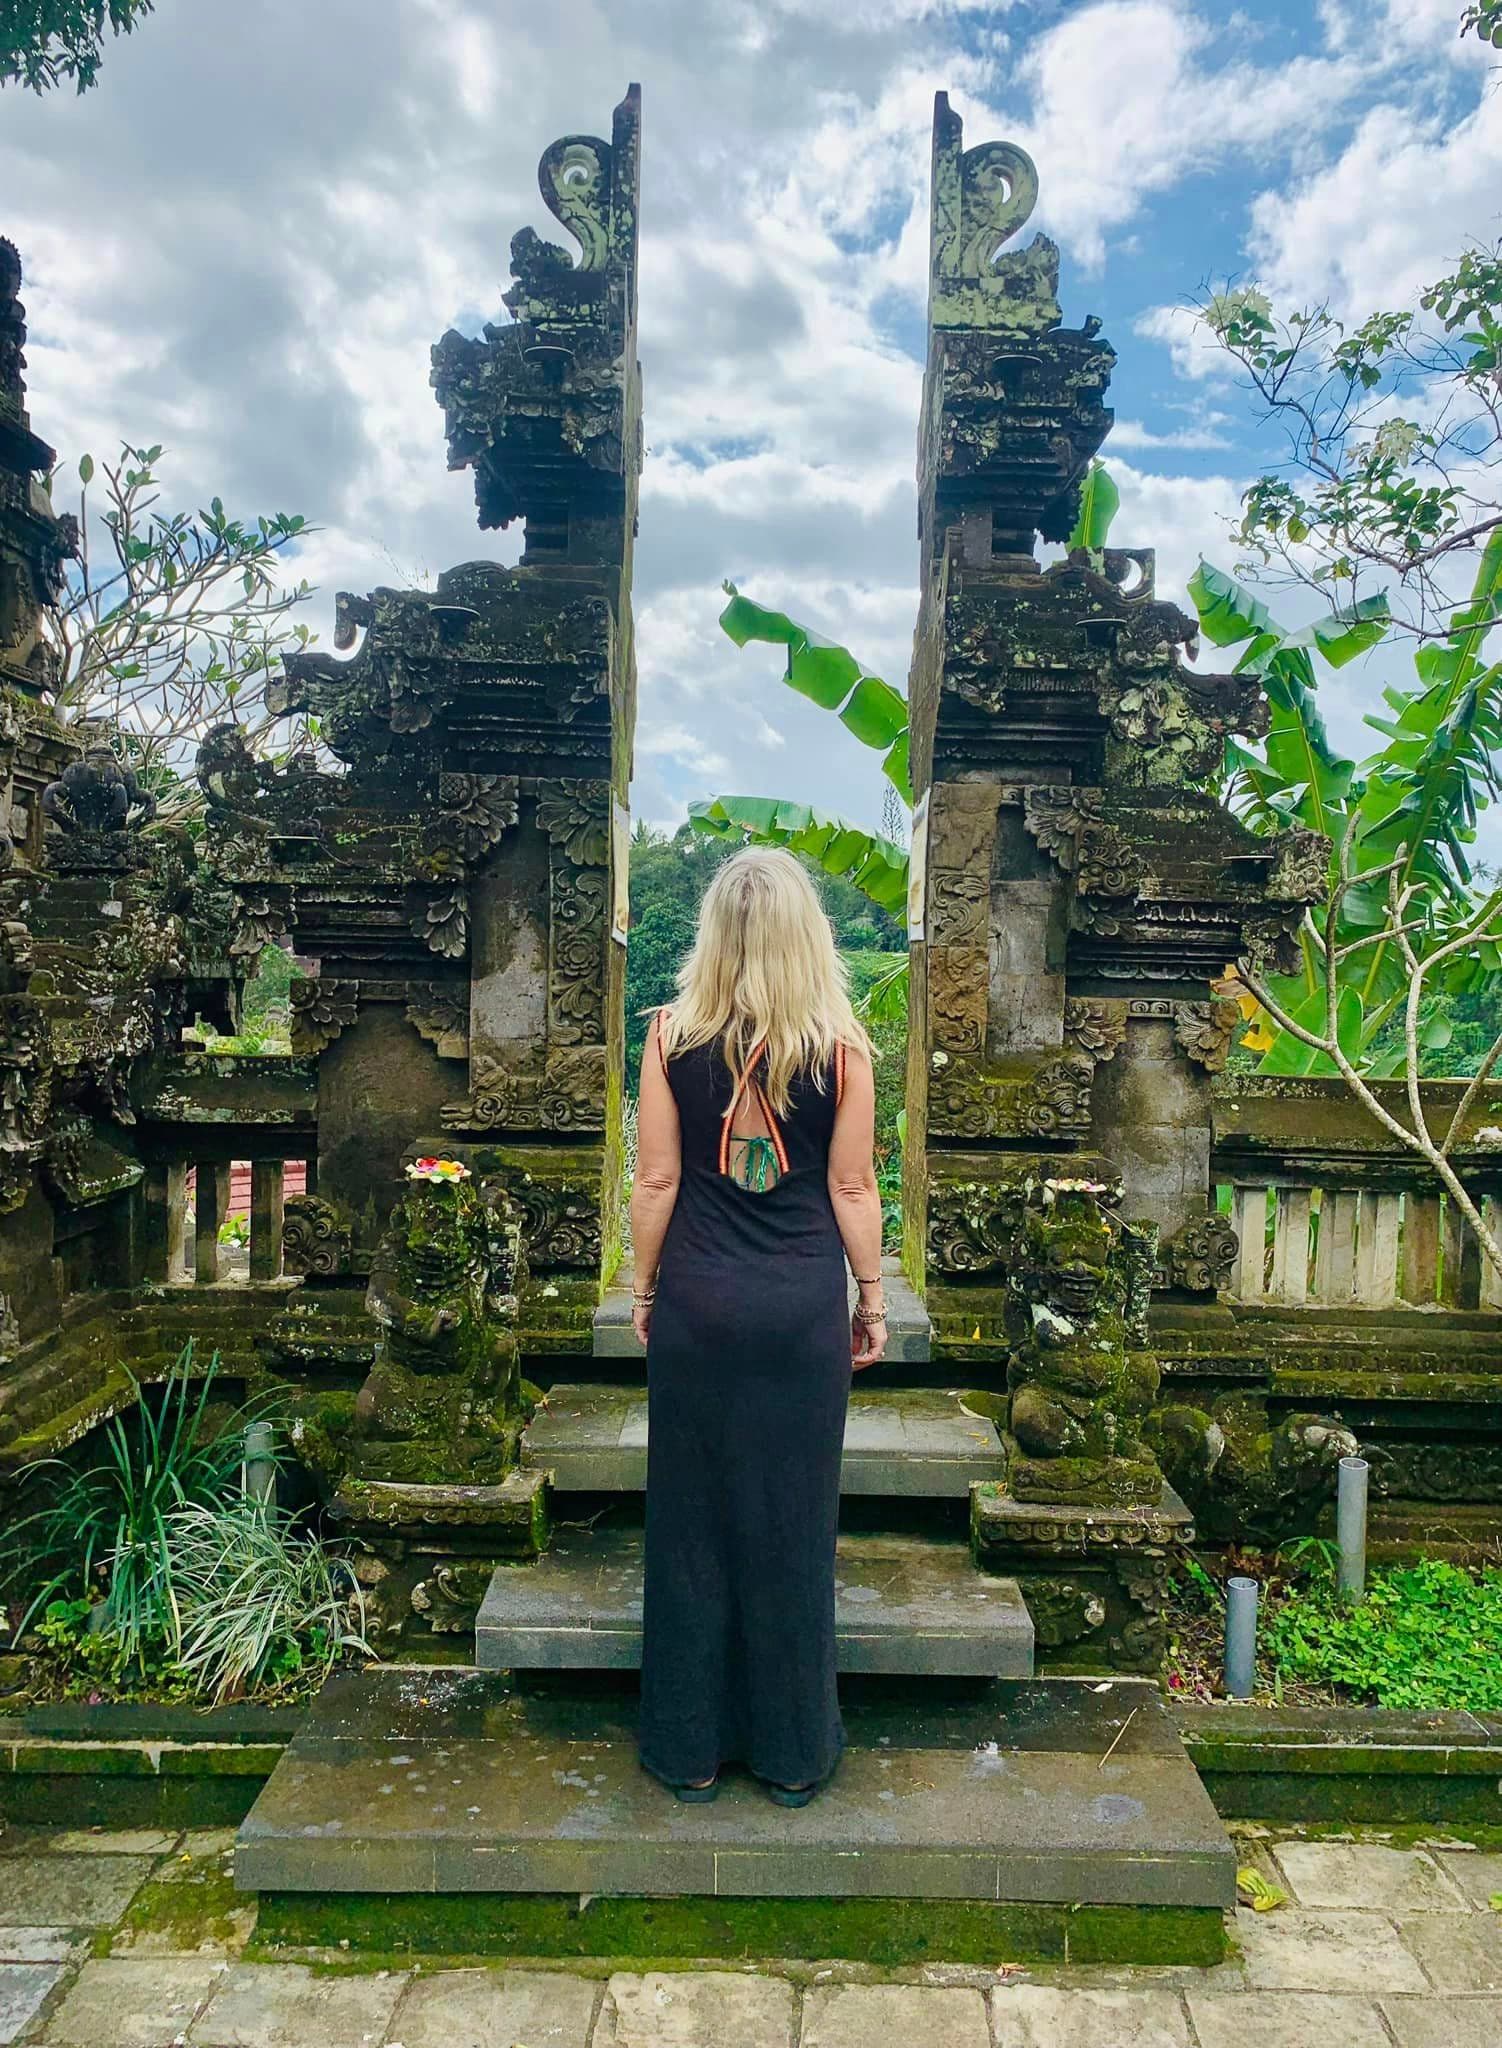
point(982, 197)
point(546, 411)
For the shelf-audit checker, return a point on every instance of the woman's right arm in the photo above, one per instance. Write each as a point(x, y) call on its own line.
point(659, 1167)
point(857, 1202)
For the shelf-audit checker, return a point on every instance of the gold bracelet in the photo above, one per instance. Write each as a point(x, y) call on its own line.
point(868, 1316)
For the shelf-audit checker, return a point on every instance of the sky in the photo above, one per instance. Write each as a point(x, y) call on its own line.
point(243, 242)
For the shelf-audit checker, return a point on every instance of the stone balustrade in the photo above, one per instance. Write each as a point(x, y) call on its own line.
point(1331, 1211)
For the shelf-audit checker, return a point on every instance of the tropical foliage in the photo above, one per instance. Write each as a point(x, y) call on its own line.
point(1393, 433)
point(1407, 814)
point(150, 1569)
point(181, 626)
point(44, 42)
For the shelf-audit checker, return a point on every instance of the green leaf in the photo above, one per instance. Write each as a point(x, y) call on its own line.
point(874, 864)
point(1228, 613)
point(1100, 501)
point(85, 469)
point(897, 771)
point(876, 713)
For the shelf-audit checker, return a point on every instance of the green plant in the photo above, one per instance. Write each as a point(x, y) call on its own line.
point(235, 1230)
point(1401, 822)
point(103, 1531)
point(261, 1600)
point(42, 42)
point(844, 850)
point(181, 630)
point(1425, 1637)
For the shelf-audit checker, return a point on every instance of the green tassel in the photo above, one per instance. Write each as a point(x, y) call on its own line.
point(760, 1164)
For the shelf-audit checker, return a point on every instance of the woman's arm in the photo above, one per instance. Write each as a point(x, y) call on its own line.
point(857, 1204)
point(659, 1167)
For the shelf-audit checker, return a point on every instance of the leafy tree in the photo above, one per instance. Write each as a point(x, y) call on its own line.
point(1483, 19)
point(43, 42)
point(1393, 437)
point(181, 627)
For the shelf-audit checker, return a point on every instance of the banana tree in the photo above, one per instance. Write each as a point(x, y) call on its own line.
point(846, 851)
point(1409, 810)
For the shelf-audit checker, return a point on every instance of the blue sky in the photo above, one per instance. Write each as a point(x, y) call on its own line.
point(243, 243)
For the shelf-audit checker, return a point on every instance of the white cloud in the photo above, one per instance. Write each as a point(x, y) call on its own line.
point(1398, 204)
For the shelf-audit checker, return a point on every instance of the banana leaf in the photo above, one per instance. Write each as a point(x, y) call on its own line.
point(831, 677)
point(843, 850)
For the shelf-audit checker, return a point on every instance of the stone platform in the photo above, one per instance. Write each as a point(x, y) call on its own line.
point(903, 1604)
point(900, 1442)
point(432, 1781)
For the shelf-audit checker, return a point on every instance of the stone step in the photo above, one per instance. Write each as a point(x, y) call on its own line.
point(903, 1604)
point(913, 1442)
point(406, 1780)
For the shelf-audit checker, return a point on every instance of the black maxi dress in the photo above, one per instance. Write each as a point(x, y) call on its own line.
point(748, 1371)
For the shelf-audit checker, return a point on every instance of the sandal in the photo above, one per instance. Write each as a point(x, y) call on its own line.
point(793, 1795)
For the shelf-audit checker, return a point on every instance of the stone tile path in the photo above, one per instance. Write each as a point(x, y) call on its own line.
point(136, 1940)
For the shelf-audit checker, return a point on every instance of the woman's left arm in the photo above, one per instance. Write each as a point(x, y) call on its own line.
point(659, 1167)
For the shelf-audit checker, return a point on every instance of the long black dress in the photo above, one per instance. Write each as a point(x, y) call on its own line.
point(748, 1370)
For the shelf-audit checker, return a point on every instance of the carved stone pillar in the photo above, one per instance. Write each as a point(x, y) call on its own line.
point(1082, 889)
point(458, 885)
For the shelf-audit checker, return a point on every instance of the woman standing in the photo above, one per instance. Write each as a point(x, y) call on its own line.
point(754, 1169)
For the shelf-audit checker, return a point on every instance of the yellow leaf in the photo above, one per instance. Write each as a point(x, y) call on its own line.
point(1253, 1890)
point(975, 1334)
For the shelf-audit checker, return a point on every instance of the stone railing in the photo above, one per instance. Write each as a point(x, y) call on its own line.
point(1331, 1211)
point(207, 1114)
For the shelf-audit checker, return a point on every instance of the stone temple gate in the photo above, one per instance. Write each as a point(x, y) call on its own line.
point(1139, 1294)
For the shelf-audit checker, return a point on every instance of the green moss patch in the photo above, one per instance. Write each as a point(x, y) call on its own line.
point(891, 1933)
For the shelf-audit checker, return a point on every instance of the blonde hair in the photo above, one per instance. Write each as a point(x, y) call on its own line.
point(764, 968)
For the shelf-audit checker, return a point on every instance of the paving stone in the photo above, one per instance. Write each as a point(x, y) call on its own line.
point(1351, 1874)
point(68, 1891)
point(697, 2009)
point(1041, 2016)
point(1283, 2019)
point(39, 1944)
point(899, 2015)
point(132, 2004)
point(112, 1841)
point(23, 1986)
point(1296, 1949)
point(283, 2005)
point(1444, 2022)
point(493, 2008)
point(1458, 1955)
point(1479, 1876)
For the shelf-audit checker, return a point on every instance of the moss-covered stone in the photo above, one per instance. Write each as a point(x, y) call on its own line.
point(888, 1932)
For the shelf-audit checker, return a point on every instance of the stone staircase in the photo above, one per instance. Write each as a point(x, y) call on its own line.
point(1001, 1807)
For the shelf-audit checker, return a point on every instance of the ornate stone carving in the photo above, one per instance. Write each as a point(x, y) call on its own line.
point(1301, 867)
point(1097, 1029)
point(972, 1227)
point(576, 976)
point(449, 1598)
point(98, 805)
point(1079, 1394)
point(957, 996)
point(575, 815)
point(967, 1100)
point(320, 1011)
point(1270, 1481)
point(442, 1404)
point(1201, 1257)
point(440, 1014)
point(1205, 1031)
point(560, 1219)
point(958, 908)
point(474, 812)
point(564, 1093)
point(1063, 1610)
point(315, 1238)
point(443, 923)
point(260, 921)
